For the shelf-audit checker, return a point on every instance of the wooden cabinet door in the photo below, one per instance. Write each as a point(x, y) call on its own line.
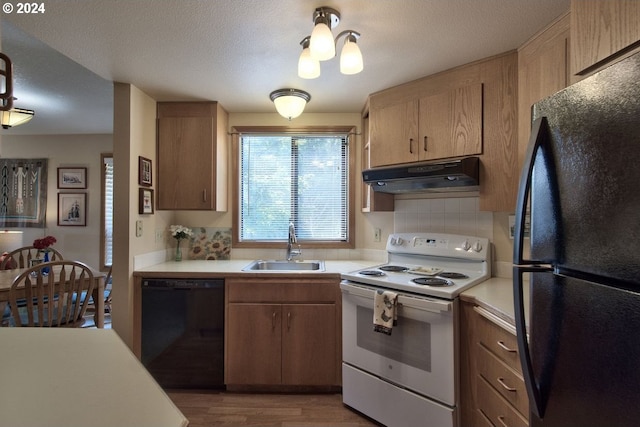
point(185, 162)
point(394, 134)
point(254, 343)
point(451, 123)
point(600, 29)
point(543, 70)
point(309, 344)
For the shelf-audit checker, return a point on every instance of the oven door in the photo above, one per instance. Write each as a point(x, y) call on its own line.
point(420, 352)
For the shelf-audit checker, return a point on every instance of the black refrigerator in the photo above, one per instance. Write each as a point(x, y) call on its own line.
point(581, 187)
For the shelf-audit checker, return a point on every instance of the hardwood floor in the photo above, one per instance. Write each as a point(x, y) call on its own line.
point(209, 408)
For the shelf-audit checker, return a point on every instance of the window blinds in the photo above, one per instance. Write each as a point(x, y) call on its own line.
point(301, 178)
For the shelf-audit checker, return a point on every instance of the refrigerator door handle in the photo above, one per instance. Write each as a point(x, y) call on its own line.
point(539, 135)
point(536, 404)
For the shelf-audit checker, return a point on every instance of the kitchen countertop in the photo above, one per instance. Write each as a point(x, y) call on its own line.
point(207, 269)
point(496, 296)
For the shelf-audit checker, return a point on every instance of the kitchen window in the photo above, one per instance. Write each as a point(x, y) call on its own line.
point(300, 177)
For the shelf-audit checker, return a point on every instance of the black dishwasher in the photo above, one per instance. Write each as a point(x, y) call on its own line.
point(183, 332)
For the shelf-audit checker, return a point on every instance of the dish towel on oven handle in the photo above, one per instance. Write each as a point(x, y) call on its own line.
point(385, 315)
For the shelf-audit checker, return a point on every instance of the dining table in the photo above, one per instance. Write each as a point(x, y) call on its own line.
point(8, 276)
point(78, 377)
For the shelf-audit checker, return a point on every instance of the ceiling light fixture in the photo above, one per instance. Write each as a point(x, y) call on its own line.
point(321, 46)
point(6, 83)
point(15, 117)
point(289, 102)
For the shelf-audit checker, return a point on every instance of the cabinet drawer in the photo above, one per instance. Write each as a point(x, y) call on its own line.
point(497, 339)
point(495, 408)
point(282, 291)
point(504, 379)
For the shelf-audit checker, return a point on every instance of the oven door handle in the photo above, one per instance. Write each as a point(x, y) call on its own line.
point(419, 303)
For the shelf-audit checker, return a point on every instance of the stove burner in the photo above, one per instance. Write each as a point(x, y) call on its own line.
point(432, 281)
point(393, 268)
point(452, 275)
point(371, 273)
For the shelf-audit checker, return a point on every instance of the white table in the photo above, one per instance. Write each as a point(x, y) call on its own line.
point(63, 377)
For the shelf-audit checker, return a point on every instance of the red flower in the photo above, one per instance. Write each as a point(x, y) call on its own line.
point(44, 243)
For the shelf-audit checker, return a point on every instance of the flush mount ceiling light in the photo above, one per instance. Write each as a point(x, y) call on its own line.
point(321, 46)
point(15, 117)
point(289, 102)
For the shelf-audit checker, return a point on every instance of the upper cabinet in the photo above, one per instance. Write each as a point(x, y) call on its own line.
point(543, 70)
point(436, 126)
point(372, 201)
point(192, 156)
point(451, 123)
point(601, 30)
point(466, 111)
point(394, 133)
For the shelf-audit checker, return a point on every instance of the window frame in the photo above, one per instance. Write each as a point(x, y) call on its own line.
point(350, 131)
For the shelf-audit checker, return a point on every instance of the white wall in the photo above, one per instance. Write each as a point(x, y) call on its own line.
point(80, 243)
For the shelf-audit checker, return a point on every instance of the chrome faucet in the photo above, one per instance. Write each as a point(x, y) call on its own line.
point(293, 240)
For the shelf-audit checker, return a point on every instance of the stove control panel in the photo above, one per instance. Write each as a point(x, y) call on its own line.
point(439, 244)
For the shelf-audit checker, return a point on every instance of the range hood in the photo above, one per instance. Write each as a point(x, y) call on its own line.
point(452, 175)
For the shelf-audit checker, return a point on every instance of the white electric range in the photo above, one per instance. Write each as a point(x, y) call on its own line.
point(410, 377)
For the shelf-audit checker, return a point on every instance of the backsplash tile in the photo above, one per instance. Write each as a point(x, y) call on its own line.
point(455, 215)
point(210, 243)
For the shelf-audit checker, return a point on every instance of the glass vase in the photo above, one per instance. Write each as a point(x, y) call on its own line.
point(45, 270)
point(178, 252)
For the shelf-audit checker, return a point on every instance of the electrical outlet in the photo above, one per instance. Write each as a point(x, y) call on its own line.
point(159, 235)
point(377, 234)
point(139, 228)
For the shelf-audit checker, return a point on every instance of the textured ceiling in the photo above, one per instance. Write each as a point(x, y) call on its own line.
point(238, 51)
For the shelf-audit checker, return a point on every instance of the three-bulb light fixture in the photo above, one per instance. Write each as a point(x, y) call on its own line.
point(319, 46)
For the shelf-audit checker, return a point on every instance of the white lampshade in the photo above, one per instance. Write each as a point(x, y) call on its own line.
point(15, 117)
point(290, 103)
point(308, 67)
point(351, 57)
point(322, 46)
point(10, 240)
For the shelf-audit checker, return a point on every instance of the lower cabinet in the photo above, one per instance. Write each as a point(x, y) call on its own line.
point(493, 389)
point(282, 333)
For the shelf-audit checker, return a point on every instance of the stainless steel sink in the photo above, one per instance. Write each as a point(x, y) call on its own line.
point(283, 265)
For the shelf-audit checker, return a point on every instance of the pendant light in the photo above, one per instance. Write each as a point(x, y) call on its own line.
point(351, 57)
point(308, 66)
point(321, 46)
point(15, 117)
point(289, 102)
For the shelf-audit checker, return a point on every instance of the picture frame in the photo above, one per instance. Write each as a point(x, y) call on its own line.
point(72, 178)
point(72, 209)
point(145, 201)
point(145, 175)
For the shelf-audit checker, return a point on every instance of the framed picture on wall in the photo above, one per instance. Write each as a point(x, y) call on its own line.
point(144, 171)
point(72, 178)
point(72, 209)
point(145, 201)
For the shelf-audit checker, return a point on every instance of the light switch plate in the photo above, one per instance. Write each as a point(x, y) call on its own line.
point(139, 228)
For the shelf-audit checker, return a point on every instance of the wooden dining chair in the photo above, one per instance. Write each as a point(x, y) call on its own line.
point(108, 286)
point(21, 257)
point(54, 299)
